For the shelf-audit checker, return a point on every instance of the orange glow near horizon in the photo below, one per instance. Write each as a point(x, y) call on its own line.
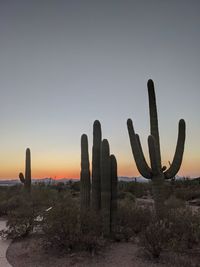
point(128, 169)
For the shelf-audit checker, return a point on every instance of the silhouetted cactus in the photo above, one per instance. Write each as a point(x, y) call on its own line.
point(104, 179)
point(27, 179)
point(114, 180)
point(157, 172)
point(96, 176)
point(105, 187)
point(85, 174)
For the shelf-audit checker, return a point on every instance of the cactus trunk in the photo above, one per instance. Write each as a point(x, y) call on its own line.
point(113, 165)
point(96, 176)
point(85, 175)
point(105, 187)
point(27, 179)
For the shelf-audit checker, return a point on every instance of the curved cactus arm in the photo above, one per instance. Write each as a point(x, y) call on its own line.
point(142, 156)
point(154, 118)
point(178, 156)
point(21, 177)
point(138, 155)
point(153, 156)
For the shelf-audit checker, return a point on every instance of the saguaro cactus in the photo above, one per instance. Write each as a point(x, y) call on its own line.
point(85, 174)
point(114, 180)
point(27, 179)
point(105, 187)
point(156, 172)
point(96, 176)
point(104, 180)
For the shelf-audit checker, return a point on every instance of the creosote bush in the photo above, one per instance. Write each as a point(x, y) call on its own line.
point(131, 219)
point(23, 210)
point(64, 229)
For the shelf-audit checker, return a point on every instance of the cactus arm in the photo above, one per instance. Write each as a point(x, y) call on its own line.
point(153, 156)
point(178, 156)
point(21, 177)
point(154, 118)
point(138, 155)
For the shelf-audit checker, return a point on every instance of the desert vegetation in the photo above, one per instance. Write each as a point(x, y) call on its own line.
point(160, 217)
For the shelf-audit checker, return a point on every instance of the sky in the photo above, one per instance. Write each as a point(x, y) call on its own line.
point(64, 64)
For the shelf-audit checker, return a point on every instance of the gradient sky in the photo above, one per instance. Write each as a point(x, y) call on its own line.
point(64, 64)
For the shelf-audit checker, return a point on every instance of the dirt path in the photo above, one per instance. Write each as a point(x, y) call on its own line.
point(29, 253)
point(4, 244)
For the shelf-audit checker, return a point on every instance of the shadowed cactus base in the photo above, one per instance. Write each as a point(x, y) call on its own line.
point(156, 171)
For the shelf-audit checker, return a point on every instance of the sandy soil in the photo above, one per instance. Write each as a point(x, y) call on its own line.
point(29, 253)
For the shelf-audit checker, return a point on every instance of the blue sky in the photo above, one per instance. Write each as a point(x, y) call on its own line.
point(66, 63)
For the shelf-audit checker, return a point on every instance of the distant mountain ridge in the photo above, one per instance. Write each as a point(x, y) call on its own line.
point(47, 180)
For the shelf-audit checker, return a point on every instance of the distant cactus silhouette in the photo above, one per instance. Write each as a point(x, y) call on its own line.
point(96, 176)
point(27, 179)
point(157, 172)
point(104, 180)
point(85, 174)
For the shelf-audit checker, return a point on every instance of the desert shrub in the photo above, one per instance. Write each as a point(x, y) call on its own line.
point(23, 209)
point(184, 228)
point(62, 228)
point(131, 219)
point(20, 217)
point(174, 203)
point(155, 237)
point(187, 193)
point(6, 194)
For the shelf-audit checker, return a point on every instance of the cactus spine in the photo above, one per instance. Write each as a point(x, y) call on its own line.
point(27, 179)
point(85, 174)
point(96, 177)
point(156, 172)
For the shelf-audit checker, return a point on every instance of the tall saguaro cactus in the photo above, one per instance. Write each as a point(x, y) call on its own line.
point(27, 179)
point(85, 174)
point(105, 187)
point(104, 180)
point(96, 176)
point(114, 180)
point(156, 171)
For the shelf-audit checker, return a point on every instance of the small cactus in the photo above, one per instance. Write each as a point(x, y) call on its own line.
point(27, 179)
point(85, 174)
